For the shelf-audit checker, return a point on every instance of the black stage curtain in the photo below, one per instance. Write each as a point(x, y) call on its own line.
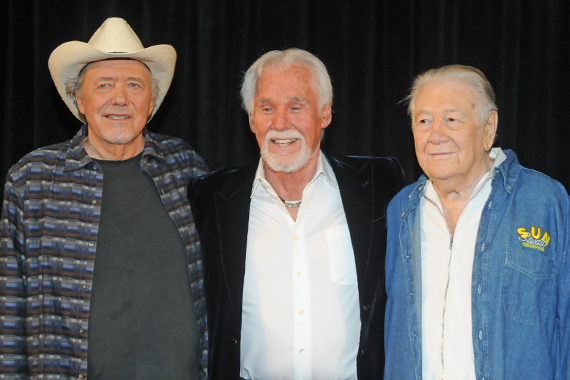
point(372, 49)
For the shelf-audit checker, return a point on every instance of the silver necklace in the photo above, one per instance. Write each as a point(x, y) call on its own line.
point(291, 204)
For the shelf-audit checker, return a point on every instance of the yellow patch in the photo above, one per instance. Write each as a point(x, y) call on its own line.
point(533, 239)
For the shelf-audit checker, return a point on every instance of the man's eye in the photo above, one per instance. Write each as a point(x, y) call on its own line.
point(104, 85)
point(424, 121)
point(134, 85)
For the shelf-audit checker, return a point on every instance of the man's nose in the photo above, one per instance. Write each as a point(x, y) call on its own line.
point(120, 97)
point(438, 132)
point(281, 120)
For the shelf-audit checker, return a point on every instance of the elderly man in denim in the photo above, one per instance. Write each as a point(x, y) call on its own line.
point(477, 269)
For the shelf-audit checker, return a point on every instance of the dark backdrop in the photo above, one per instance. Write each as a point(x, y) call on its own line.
point(372, 50)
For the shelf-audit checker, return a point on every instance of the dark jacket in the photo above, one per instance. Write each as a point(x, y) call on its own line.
point(220, 203)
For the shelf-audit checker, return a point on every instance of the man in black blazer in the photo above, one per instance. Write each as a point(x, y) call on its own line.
point(294, 245)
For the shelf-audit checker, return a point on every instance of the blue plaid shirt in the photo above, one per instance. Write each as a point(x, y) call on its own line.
point(48, 239)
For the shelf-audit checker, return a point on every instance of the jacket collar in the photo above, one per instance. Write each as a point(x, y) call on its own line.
point(508, 171)
point(232, 201)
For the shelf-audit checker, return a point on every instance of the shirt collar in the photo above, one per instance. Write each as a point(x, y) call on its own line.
point(323, 168)
point(498, 156)
point(78, 158)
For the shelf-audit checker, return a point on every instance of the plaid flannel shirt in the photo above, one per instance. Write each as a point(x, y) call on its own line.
point(48, 239)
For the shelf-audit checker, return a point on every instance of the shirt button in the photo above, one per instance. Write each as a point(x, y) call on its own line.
point(301, 312)
point(299, 274)
point(296, 237)
point(479, 289)
point(302, 350)
point(480, 335)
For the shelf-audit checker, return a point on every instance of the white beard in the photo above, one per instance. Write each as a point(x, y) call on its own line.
point(119, 137)
point(286, 163)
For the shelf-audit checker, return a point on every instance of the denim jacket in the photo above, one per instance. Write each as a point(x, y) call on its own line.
point(520, 292)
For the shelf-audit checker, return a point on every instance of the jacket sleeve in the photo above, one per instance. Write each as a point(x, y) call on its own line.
point(395, 320)
point(13, 351)
point(563, 305)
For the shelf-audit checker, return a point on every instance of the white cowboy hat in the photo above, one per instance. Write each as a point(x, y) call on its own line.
point(114, 39)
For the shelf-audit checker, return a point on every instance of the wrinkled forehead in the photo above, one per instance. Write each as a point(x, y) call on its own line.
point(291, 83)
point(441, 95)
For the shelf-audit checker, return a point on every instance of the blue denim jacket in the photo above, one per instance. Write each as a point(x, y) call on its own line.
point(520, 286)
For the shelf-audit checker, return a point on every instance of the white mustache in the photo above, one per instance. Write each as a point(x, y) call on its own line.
point(283, 135)
point(118, 111)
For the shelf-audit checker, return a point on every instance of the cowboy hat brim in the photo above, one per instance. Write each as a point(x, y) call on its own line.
point(67, 60)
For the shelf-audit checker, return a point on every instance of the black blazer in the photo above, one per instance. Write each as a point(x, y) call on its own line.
point(220, 203)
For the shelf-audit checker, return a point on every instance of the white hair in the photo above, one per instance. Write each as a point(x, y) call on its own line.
point(467, 75)
point(284, 60)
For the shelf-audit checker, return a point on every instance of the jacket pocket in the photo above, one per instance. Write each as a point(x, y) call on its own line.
point(528, 284)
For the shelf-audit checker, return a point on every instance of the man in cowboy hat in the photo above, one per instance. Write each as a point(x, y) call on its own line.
point(117, 192)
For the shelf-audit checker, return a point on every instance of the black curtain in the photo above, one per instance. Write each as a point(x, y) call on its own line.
point(372, 49)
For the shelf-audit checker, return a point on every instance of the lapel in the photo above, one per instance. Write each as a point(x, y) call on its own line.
point(232, 213)
point(356, 192)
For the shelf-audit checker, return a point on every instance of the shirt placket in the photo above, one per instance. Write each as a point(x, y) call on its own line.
point(93, 209)
point(301, 307)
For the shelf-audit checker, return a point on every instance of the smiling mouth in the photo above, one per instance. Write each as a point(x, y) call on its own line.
point(284, 142)
point(117, 117)
point(440, 155)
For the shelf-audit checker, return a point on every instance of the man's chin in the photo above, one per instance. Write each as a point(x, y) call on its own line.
point(119, 139)
point(285, 164)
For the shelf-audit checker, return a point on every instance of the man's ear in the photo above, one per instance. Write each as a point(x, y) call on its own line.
point(326, 116)
point(79, 101)
point(491, 130)
point(250, 116)
point(152, 103)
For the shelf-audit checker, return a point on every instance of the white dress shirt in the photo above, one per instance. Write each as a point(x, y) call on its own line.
point(447, 269)
point(300, 316)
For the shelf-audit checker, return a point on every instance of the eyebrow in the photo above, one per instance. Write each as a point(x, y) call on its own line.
point(291, 99)
point(130, 79)
point(446, 111)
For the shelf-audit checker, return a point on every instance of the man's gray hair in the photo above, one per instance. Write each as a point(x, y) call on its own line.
point(74, 85)
point(284, 60)
point(470, 76)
